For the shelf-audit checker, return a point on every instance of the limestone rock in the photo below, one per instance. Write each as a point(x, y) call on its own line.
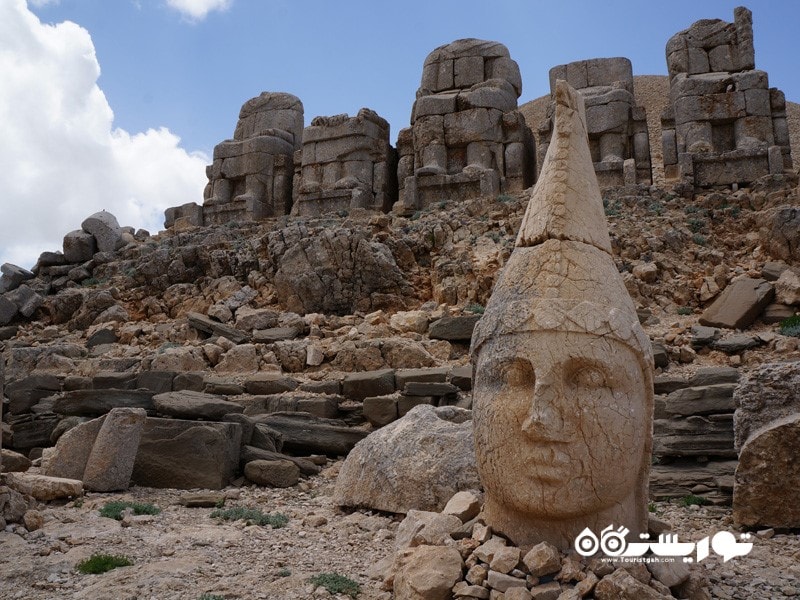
point(464, 505)
point(417, 462)
point(92, 403)
point(194, 405)
point(426, 528)
point(105, 229)
point(79, 246)
point(12, 277)
point(44, 488)
point(13, 461)
point(766, 394)
point(739, 304)
point(787, 288)
point(358, 386)
point(453, 329)
point(313, 272)
point(543, 559)
point(427, 573)
point(767, 477)
point(621, 586)
point(304, 433)
point(110, 463)
point(273, 473)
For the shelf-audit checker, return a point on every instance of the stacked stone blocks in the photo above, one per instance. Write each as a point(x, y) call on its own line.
point(724, 124)
point(617, 127)
point(345, 162)
point(467, 138)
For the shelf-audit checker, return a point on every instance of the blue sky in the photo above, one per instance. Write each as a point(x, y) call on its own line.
point(174, 73)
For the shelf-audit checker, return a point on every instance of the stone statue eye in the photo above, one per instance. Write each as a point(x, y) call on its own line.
point(517, 372)
point(589, 376)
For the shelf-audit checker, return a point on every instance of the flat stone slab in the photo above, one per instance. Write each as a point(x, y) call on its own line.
point(44, 488)
point(705, 400)
point(453, 329)
point(207, 325)
point(306, 434)
point(187, 404)
point(94, 403)
point(739, 304)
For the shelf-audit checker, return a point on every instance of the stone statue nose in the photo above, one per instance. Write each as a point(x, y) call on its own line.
point(544, 416)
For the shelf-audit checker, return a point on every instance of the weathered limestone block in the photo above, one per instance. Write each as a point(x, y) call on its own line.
point(346, 162)
point(272, 473)
point(768, 475)
point(464, 125)
point(187, 404)
point(418, 461)
point(12, 277)
point(72, 451)
point(187, 454)
point(110, 463)
point(563, 370)
point(739, 304)
point(251, 176)
point(766, 394)
point(303, 433)
point(617, 127)
point(105, 229)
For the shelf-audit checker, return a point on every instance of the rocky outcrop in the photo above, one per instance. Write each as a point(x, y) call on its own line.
point(336, 271)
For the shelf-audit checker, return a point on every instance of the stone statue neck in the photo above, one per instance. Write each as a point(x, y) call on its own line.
point(525, 530)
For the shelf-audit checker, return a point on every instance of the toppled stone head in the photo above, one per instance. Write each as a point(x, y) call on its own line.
point(563, 395)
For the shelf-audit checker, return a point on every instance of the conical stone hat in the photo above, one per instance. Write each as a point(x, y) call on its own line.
point(561, 275)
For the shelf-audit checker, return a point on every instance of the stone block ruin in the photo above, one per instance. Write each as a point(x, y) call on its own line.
point(252, 174)
point(724, 124)
point(346, 162)
point(467, 138)
point(617, 127)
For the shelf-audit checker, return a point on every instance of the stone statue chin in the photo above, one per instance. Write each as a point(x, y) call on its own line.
point(561, 432)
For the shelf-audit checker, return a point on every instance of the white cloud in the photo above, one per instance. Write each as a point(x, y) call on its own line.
point(62, 158)
point(196, 10)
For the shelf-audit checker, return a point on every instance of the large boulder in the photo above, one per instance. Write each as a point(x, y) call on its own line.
point(766, 394)
point(768, 476)
point(417, 462)
point(187, 454)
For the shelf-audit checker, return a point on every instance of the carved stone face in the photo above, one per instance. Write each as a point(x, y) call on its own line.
point(560, 422)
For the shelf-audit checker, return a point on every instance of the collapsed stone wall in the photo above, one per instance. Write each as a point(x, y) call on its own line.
point(467, 137)
point(617, 127)
point(724, 125)
point(346, 162)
